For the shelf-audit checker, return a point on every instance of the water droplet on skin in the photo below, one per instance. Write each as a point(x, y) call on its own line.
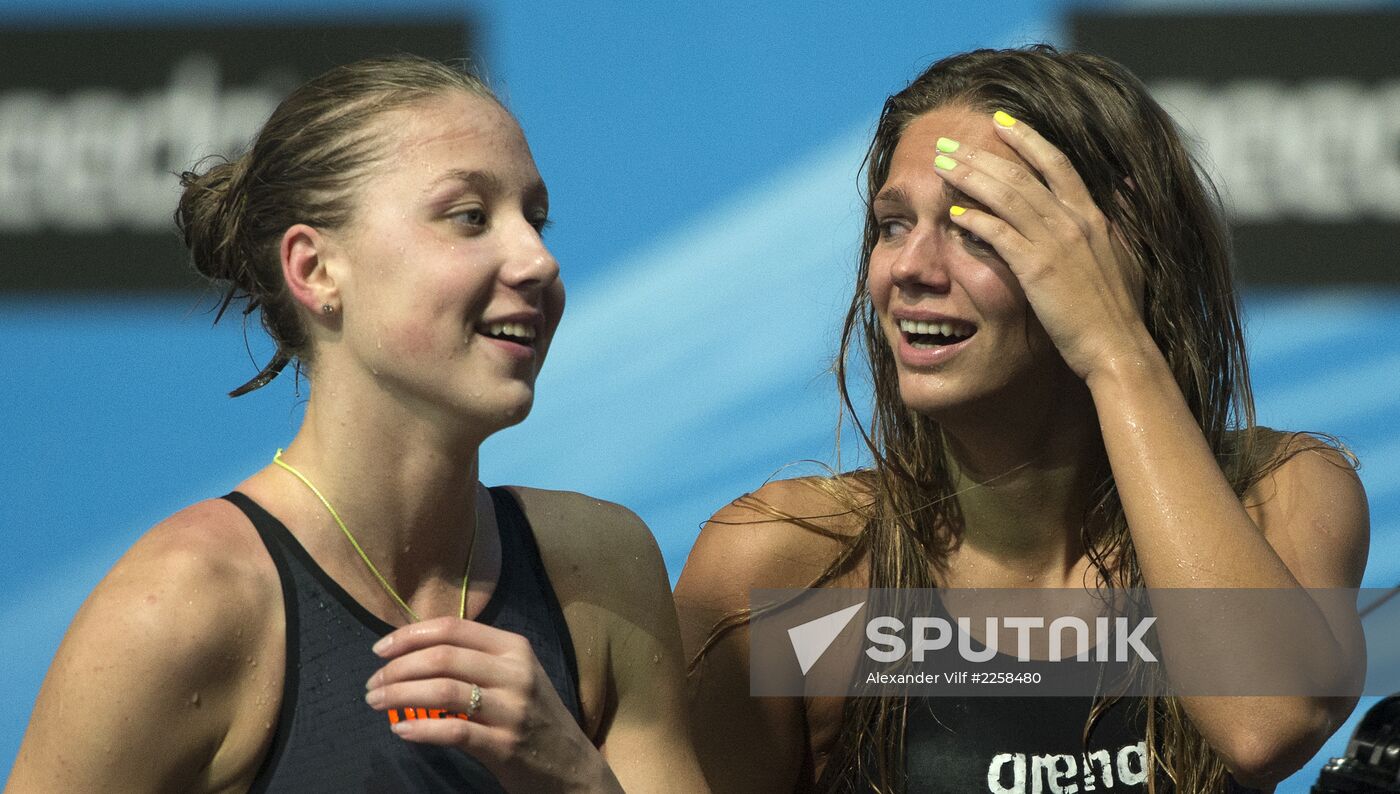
point(656, 658)
point(194, 700)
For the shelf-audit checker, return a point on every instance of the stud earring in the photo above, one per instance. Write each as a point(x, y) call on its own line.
point(326, 308)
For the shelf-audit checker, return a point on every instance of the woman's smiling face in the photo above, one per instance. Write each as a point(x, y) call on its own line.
point(450, 296)
point(954, 315)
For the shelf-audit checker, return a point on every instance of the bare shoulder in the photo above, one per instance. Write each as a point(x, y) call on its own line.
point(1311, 507)
point(209, 541)
point(611, 580)
point(605, 568)
point(781, 536)
point(202, 568)
point(555, 507)
point(156, 658)
point(590, 543)
point(608, 573)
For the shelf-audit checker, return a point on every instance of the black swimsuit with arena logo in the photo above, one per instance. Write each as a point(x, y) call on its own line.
point(1015, 744)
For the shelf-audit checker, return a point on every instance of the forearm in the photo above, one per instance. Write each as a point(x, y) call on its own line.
point(1190, 530)
point(595, 776)
point(1188, 527)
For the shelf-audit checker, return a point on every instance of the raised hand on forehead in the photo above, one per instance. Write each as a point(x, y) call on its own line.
point(1077, 276)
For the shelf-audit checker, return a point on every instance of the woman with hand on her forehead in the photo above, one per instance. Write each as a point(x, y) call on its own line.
point(1060, 400)
point(362, 614)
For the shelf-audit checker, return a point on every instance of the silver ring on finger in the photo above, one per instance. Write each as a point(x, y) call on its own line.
point(474, 704)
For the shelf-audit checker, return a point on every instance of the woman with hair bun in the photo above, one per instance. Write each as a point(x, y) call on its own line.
point(362, 614)
point(1061, 400)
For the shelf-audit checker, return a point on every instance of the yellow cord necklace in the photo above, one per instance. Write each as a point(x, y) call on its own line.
point(388, 588)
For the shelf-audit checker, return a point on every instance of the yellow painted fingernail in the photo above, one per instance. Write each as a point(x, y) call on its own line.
point(1003, 118)
point(946, 163)
point(955, 210)
point(947, 145)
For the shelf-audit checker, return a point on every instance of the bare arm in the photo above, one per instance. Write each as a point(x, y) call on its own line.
point(1188, 527)
point(142, 693)
point(611, 581)
point(746, 744)
point(645, 737)
point(1190, 530)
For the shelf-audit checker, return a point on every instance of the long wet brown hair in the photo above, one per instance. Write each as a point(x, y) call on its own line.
point(1143, 178)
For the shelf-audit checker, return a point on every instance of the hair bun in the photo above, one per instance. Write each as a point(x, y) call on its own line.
point(209, 217)
point(302, 168)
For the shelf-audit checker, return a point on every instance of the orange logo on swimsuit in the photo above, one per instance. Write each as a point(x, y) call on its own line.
point(425, 714)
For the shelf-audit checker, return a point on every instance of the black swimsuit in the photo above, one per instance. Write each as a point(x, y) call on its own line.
point(327, 738)
point(1009, 744)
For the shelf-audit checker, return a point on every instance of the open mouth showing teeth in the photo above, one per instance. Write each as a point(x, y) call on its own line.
point(518, 333)
point(923, 336)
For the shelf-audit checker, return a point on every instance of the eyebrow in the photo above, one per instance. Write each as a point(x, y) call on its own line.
point(961, 199)
point(486, 183)
point(894, 194)
point(482, 181)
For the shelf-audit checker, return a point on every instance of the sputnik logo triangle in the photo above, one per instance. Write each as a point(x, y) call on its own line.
point(811, 639)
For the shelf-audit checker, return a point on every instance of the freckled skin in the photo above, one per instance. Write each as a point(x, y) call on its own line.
point(928, 264)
